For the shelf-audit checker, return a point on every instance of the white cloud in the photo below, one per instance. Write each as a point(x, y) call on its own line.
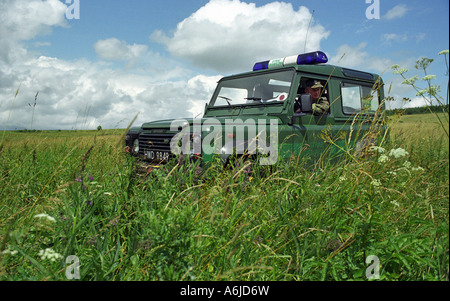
point(82, 94)
point(350, 57)
point(25, 19)
point(114, 49)
point(356, 57)
point(396, 12)
point(416, 102)
point(200, 89)
point(420, 37)
point(394, 37)
point(229, 35)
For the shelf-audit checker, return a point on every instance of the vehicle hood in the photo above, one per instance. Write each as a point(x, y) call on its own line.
point(158, 124)
point(180, 122)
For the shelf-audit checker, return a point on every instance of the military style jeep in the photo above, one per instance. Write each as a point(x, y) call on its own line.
point(293, 107)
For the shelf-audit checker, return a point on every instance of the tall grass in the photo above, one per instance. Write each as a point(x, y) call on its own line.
point(82, 196)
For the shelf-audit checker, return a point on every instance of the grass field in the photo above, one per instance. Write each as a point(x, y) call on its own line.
point(66, 193)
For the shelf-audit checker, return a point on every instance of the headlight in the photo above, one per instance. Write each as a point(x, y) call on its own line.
point(196, 146)
point(136, 145)
point(197, 140)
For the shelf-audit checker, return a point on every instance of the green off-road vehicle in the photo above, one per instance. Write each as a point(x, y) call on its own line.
point(295, 107)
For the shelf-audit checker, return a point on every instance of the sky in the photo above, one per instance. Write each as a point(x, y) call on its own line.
point(80, 64)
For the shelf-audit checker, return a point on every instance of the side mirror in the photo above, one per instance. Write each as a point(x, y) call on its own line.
point(306, 102)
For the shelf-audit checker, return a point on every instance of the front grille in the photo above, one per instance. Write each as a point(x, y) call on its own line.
point(154, 146)
point(155, 142)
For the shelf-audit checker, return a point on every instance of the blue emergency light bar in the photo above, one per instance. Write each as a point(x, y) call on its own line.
point(310, 58)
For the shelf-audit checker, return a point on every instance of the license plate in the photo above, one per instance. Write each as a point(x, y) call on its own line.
point(157, 155)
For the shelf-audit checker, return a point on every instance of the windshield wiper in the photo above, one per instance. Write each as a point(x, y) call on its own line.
point(254, 98)
point(227, 99)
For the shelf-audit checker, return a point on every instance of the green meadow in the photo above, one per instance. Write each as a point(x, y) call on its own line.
point(73, 206)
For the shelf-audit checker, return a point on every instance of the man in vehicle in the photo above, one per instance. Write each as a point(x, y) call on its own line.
point(320, 105)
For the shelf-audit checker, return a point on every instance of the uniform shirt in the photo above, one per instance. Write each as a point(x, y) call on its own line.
point(320, 107)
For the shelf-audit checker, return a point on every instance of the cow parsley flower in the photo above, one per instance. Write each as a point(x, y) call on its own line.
point(396, 204)
point(410, 81)
point(418, 168)
point(377, 149)
point(407, 164)
point(9, 251)
point(429, 77)
point(383, 159)
point(398, 153)
point(397, 70)
point(49, 254)
point(375, 183)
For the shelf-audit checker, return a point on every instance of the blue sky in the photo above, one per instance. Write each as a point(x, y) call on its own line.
point(161, 59)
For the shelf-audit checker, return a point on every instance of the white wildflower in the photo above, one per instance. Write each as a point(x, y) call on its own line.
point(375, 183)
point(410, 81)
point(378, 149)
point(429, 77)
point(418, 168)
point(383, 159)
point(398, 152)
point(8, 251)
point(391, 173)
point(49, 254)
point(342, 179)
point(395, 203)
point(398, 70)
point(45, 216)
point(407, 164)
point(107, 193)
point(422, 92)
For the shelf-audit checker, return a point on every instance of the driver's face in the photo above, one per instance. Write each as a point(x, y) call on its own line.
point(315, 92)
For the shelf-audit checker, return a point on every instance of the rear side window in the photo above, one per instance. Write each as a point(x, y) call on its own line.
point(357, 98)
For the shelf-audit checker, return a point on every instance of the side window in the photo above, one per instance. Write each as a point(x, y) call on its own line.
point(357, 98)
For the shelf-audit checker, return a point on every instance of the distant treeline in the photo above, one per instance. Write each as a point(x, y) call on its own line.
point(419, 110)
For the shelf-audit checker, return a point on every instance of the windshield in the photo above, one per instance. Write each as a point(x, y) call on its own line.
point(260, 88)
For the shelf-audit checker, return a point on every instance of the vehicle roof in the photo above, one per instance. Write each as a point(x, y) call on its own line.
point(325, 70)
